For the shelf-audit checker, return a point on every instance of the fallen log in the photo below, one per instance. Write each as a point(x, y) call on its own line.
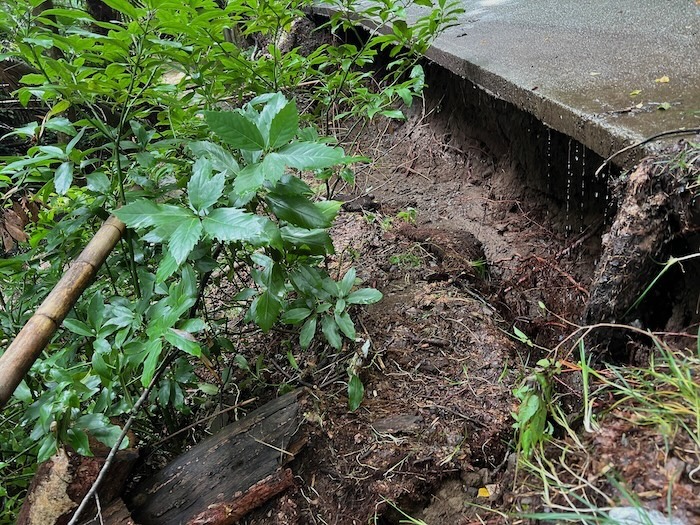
point(116, 513)
point(227, 475)
point(61, 483)
point(35, 335)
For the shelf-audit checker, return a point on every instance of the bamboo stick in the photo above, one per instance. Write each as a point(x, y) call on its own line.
point(35, 335)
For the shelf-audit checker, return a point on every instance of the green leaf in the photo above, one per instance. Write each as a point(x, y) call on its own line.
point(329, 209)
point(98, 182)
point(348, 282)
point(266, 308)
point(296, 210)
point(63, 178)
point(221, 160)
point(393, 114)
point(311, 242)
point(123, 6)
point(345, 324)
point(153, 350)
point(168, 265)
point(249, 180)
point(274, 102)
point(364, 296)
point(311, 155)
point(78, 327)
point(204, 190)
point(184, 239)
point(183, 341)
point(61, 125)
point(48, 448)
point(295, 315)
point(234, 224)
point(330, 330)
point(307, 333)
point(138, 214)
point(79, 441)
point(284, 126)
point(235, 129)
point(96, 310)
point(356, 392)
point(208, 388)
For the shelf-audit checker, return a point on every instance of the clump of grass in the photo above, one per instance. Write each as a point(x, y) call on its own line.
point(663, 396)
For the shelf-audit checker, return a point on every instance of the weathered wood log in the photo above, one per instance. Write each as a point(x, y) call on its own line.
point(61, 483)
point(35, 335)
point(116, 513)
point(227, 475)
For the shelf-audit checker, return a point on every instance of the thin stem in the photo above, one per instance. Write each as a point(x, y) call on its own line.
point(112, 453)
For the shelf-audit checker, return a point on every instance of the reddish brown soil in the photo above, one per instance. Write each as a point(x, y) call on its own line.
point(436, 417)
point(463, 245)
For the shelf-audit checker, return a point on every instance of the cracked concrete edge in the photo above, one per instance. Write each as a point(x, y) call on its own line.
point(589, 129)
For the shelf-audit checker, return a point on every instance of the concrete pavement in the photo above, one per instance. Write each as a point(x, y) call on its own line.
point(584, 66)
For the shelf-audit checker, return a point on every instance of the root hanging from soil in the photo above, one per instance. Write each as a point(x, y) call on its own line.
point(658, 216)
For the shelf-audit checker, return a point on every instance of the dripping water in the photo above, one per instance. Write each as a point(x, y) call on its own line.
point(549, 163)
point(583, 187)
point(569, 176)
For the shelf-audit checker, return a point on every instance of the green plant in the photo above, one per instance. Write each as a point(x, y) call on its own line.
point(662, 397)
point(123, 132)
point(406, 260)
point(408, 215)
point(535, 397)
point(322, 298)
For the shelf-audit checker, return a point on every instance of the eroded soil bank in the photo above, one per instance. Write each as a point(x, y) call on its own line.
point(471, 217)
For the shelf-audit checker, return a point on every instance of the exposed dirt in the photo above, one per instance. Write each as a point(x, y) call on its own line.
point(441, 368)
point(466, 225)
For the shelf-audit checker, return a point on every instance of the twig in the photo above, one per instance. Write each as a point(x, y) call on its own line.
point(681, 131)
point(113, 452)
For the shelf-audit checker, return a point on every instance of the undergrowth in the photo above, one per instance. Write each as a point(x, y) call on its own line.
point(560, 460)
point(184, 120)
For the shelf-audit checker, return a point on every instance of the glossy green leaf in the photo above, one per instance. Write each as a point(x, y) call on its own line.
point(295, 315)
point(310, 155)
point(98, 182)
point(47, 448)
point(266, 308)
point(308, 331)
point(249, 180)
point(342, 319)
point(203, 189)
point(183, 341)
point(284, 126)
point(168, 265)
point(63, 178)
point(184, 239)
point(311, 242)
point(78, 327)
point(329, 209)
point(235, 129)
point(364, 296)
point(221, 160)
point(79, 441)
point(330, 330)
point(153, 351)
point(356, 392)
point(348, 282)
point(296, 210)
